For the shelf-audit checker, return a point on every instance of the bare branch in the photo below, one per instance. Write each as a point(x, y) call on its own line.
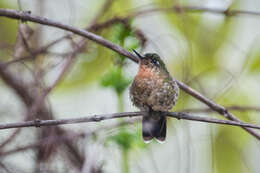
point(230, 108)
point(34, 53)
point(17, 84)
point(26, 16)
point(196, 9)
point(68, 136)
point(97, 118)
point(227, 12)
point(218, 108)
point(10, 138)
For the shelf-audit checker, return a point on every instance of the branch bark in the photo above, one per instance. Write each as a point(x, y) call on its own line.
point(97, 118)
point(197, 9)
point(238, 108)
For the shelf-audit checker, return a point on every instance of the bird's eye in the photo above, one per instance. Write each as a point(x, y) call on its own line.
point(155, 61)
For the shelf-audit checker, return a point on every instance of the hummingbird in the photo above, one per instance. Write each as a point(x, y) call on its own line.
point(153, 90)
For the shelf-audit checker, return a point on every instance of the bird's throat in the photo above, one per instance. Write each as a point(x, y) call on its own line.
point(146, 72)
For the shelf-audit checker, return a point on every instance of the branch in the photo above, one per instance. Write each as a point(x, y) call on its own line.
point(97, 118)
point(230, 108)
point(214, 106)
point(196, 9)
point(227, 11)
point(39, 51)
point(73, 136)
point(27, 16)
point(10, 138)
point(17, 84)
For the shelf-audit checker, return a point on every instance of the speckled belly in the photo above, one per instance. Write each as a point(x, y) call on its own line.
point(156, 94)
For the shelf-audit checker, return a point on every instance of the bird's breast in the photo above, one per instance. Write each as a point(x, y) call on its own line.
point(153, 89)
point(147, 73)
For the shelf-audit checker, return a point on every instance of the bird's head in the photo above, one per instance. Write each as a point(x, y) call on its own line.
point(151, 60)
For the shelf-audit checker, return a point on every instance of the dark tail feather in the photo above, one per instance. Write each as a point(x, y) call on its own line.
point(148, 128)
point(154, 126)
point(160, 133)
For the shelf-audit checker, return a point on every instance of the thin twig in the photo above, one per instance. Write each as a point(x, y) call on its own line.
point(34, 53)
point(195, 9)
point(218, 108)
point(230, 108)
point(68, 136)
point(10, 138)
point(97, 118)
point(18, 149)
point(228, 12)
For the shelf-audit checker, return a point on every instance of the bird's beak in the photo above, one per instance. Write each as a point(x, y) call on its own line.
point(139, 56)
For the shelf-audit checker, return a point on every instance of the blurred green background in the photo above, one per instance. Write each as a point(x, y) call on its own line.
point(216, 54)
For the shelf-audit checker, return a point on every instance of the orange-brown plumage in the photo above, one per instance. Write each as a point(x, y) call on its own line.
point(146, 72)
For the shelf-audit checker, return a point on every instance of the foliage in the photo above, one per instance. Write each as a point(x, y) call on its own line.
point(116, 80)
point(127, 140)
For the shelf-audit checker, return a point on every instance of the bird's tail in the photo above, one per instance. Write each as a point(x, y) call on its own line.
point(154, 127)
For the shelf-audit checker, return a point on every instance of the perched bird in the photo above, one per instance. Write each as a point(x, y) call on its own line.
point(155, 91)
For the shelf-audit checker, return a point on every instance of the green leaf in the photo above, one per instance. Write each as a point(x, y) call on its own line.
point(116, 80)
point(127, 140)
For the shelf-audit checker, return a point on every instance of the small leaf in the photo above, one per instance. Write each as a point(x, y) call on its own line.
point(127, 140)
point(116, 80)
